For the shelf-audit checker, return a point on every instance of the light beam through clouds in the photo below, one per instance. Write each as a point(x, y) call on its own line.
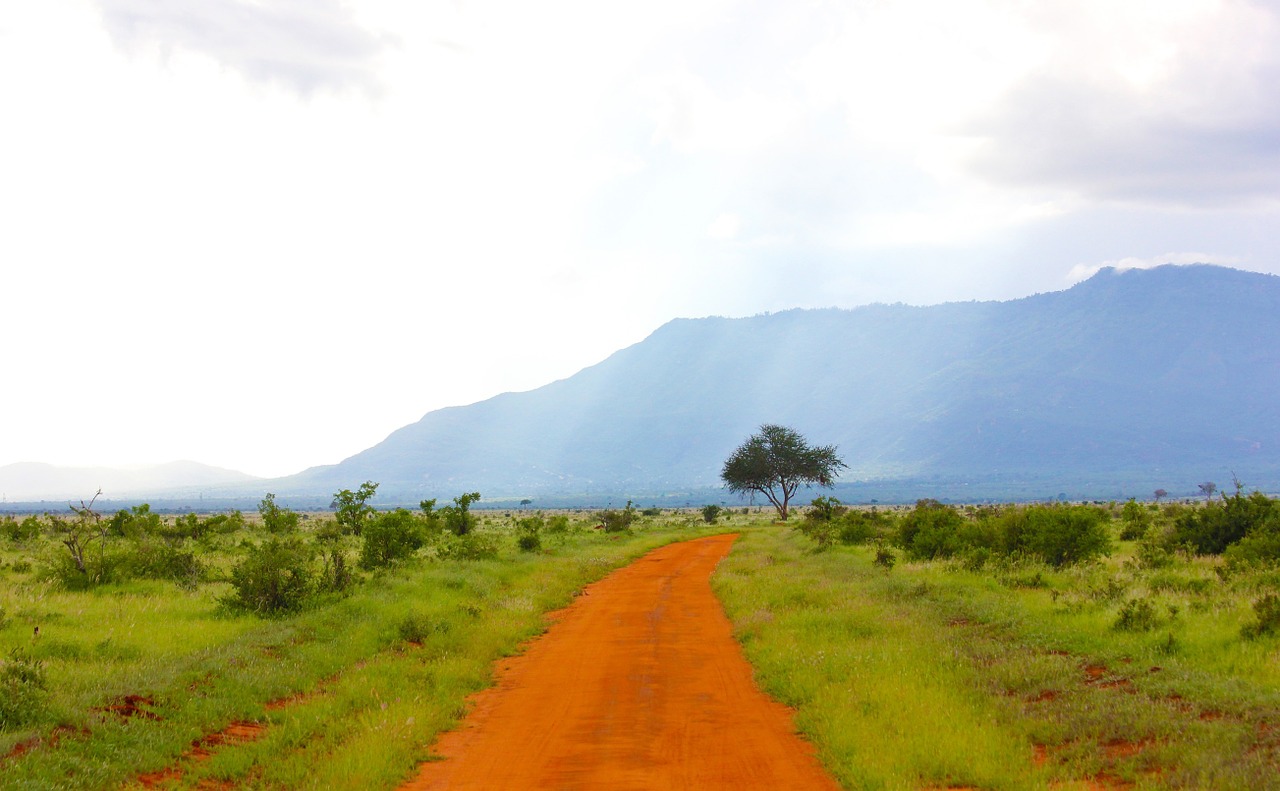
point(265, 233)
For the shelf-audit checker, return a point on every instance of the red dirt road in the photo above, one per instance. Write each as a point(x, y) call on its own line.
point(639, 685)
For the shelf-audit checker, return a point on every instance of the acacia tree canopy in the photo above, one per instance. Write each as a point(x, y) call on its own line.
point(776, 462)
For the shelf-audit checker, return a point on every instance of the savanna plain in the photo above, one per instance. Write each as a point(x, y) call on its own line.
point(1067, 646)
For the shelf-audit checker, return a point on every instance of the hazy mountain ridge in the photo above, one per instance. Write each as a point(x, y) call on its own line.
point(1165, 372)
point(37, 481)
point(1127, 381)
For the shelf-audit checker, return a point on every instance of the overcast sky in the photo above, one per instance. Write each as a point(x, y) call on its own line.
point(263, 234)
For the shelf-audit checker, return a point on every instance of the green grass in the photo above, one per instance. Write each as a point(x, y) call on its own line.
point(930, 675)
point(370, 702)
point(1012, 675)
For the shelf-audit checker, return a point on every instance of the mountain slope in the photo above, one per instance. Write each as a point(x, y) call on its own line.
point(36, 481)
point(1165, 372)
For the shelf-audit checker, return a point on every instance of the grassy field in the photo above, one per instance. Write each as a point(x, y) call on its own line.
point(145, 676)
point(1016, 675)
point(973, 671)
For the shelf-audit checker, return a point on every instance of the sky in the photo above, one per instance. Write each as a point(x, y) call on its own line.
point(263, 234)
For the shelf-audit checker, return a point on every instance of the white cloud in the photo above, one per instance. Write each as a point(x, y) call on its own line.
point(1085, 271)
point(496, 194)
point(306, 45)
point(725, 226)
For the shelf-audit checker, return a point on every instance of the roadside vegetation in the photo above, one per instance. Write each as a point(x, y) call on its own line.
point(1042, 646)
point(1100, 645)
point(276, 649)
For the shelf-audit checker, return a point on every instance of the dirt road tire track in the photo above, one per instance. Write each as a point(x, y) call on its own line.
point(638, 685)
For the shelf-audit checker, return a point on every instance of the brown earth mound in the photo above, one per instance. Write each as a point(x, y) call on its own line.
point(639, 685)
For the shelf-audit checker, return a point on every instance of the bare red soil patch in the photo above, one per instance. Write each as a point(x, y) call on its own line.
point(35, 742)
point(202, 749)
point(638, 685)
point(1125, 748)
point(130, 706)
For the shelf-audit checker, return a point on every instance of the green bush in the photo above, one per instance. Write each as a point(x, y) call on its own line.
point(884, 557)
point(1266, 610)
point(1210, 529)
point(275, 578)
point(1137, 615)
point(22, 690)
point(1134, 521)
point(930, 531)
point(159, 560)
point(417, 627)
point(101, 566)
point(859, 527)
point(136, 522)
point(710, 513)
point(389, 537)
point(276, 519)
point(471, 546)
point(616, 521)
point(20, 531)
point(528, 532)
point(1061, 535)
point(558, 524)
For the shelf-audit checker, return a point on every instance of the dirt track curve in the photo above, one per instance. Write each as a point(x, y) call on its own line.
point(638, 685)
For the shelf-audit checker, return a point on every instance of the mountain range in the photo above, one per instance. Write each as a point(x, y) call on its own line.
point(1129, 381)
point(1163, 377)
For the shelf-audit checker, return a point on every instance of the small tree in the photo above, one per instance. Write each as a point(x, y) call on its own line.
point(276, 577)
point(776, 462)
point(457, 517)
point(390, 537)
point(276, 519)
point(1160, 495)
point(352, 509)
point(1208, 487)
point(77, 534)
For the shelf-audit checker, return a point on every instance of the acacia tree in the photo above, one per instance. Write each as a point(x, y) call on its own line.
point(352, 509)
point(776, 462)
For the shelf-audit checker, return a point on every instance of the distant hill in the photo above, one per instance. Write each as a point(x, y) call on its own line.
point(1141, 378)
point(33, 481)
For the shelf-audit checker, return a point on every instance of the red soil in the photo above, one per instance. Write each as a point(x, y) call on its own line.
point(202, 750)
point(639, 685)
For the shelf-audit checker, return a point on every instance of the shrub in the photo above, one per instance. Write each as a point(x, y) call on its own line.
point(930, 531)
point(528, 532)
point(616, 521)
point(389, 537)
point(1209, 530)
point(651, 512)
point(884, 556)
point(1137, 615)
point(1135, 520)
point(19, 532)
point(352, 510)
point(1156, 548)
point(158, 560)
point(22, 690)
point(859, 527)
point(1059, 535)
point(417, 627)
point(1267, 612)
point(275, 578)
point(223, 524)
point(558, 524)
point(276, 519)
point(1258, 549)
point(457, 518)
point(710, 513)
point(135, 522)
point(472, 546)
